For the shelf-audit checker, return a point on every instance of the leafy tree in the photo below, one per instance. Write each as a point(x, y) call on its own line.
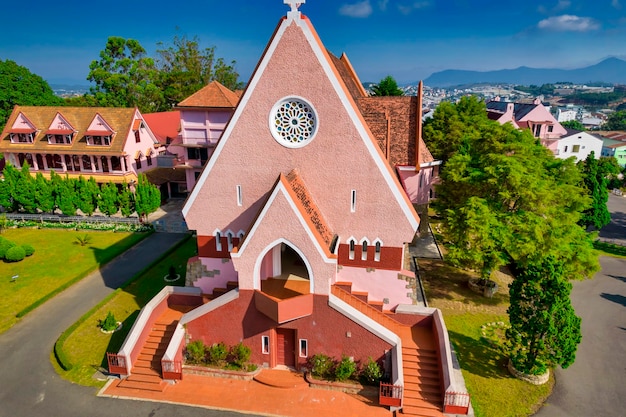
point(185, 68)
point(44, 194)
point(147, 197)
point(505, 199)
point(18, 86)
point(573, 124)
point(125, 77)
point(595, 180)
point(24, 193)
point(387, 87)
point(545, 331)
point(64, 191)
point(613, 170)
point(452, 125)
point(126, 201)
point(108, 203)
point(616, 121)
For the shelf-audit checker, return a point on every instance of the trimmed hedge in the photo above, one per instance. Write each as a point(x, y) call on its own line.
point(15, 254)
point(28, 249)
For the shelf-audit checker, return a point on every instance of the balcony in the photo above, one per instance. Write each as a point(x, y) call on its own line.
point(282, 311)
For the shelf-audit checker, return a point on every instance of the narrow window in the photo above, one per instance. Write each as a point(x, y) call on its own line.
point(137, 137)
point(218, 241)
point(148, 160)
point(239, 196)
point(138, 163)
point(565, 149)
point(304, 348)
point(353, 202)
point(229, 237)
point(352, 243)
point(377, 252)
point(265, 342)
point(364, 251)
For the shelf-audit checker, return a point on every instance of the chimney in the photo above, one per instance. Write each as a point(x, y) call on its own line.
point(418, 130)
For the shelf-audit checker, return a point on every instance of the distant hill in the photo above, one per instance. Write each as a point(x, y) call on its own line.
point(611, 70)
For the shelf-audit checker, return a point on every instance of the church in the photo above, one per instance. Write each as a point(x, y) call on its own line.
point(303, 227)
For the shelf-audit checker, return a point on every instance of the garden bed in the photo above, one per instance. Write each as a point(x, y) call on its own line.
point(220, 372)
point(349, 387)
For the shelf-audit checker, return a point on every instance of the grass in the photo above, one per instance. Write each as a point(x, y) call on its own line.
point(86, 346)
point(57, 263)
point(494, 392)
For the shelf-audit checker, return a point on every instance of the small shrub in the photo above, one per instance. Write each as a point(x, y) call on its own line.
point(15, 254)
point(344, 369)
point(217, 354)
point(83, 240)
point(109, 323)
point(5, 245)
point(196, 352)
point(28, 249)
point(4, 223)
point(321, 365)
point(240, 354)
point(371, 373)
point(171, 275)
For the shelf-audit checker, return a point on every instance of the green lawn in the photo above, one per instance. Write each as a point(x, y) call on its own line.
point(86, 346)
point(494, 392)
point(57, 261)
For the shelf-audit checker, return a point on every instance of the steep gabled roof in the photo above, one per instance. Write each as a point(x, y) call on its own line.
point(213, 95)
point(164, 124)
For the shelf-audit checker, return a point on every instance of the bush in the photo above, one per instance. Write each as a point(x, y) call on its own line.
point(28, 249)
point(321, 365)
point(217, 354)
point(84, 239)
point(5, 245)
point(109, 323)
point(371, 373)
point(15, 254)
point(240, 354)
point(345, 369)
point(196, 352)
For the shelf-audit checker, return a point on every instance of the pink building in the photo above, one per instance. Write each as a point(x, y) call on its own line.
point(303, 228)
point(534, 116)
point(109, 144)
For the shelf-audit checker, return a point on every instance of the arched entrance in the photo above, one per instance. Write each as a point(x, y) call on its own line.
point(284, 271)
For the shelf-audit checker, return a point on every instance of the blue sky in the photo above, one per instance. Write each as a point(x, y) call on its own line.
point(408, 39)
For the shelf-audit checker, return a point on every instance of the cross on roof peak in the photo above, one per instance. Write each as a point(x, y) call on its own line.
point(295, 4)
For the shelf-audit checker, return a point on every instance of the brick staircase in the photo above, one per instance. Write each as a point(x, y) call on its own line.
point(422, 384)
point(146, 372)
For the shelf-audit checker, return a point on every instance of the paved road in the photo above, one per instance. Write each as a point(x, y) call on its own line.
point(29, 386)
point(616, 230)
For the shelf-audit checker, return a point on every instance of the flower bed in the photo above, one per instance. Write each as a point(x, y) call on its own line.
point(349, 387)
point(219, 372)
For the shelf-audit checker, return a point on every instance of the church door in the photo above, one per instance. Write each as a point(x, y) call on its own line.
point(286, 347)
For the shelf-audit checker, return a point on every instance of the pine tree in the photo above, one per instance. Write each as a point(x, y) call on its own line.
point(147, 197)
point(24, 192)
point(108, 203)
point(86, 196)
point(7, 187)
point(67, 196)
point(545, 331)
point(596, 181)
point(44, 194)
point(126, 201)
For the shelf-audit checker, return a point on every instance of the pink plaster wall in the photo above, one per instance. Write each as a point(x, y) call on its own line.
point(379, 284)
point(265, 237)
point(210, 121)
point(411, 182)
point(331, 165)
point(131, 147)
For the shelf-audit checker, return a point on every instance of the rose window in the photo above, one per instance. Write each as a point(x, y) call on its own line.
point(293, 122)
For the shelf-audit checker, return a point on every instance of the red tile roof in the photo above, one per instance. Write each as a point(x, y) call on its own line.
point(164, 125)
point(213, 94)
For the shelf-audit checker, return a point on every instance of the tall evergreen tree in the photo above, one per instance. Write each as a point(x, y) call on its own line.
point(11, 175)
point(44, 194)
point(595, 180)
point(24, 193)
point(147, 197)
point(108, 203)
point(545, 331)
point(87, 195)
point(126, 201)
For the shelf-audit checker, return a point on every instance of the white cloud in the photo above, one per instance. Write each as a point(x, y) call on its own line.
point(569, 23)
point(360, 10)
point(616, 4)
point(408, 8)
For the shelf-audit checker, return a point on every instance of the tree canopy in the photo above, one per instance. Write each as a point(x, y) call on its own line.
point(596, 178)
point(573, 124)
point(616, 121)
point(125, 76)
point(19, 86)
point(387, 87)
point(505, 199)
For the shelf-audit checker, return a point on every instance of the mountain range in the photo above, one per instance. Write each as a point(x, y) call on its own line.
point(610, 70)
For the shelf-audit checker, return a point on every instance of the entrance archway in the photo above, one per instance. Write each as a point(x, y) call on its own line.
point(283, 265)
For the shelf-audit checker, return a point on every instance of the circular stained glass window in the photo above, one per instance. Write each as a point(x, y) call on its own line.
point(293, 122)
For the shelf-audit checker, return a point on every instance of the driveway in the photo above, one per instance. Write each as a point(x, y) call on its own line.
point(594, 384)
point(30, 387)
